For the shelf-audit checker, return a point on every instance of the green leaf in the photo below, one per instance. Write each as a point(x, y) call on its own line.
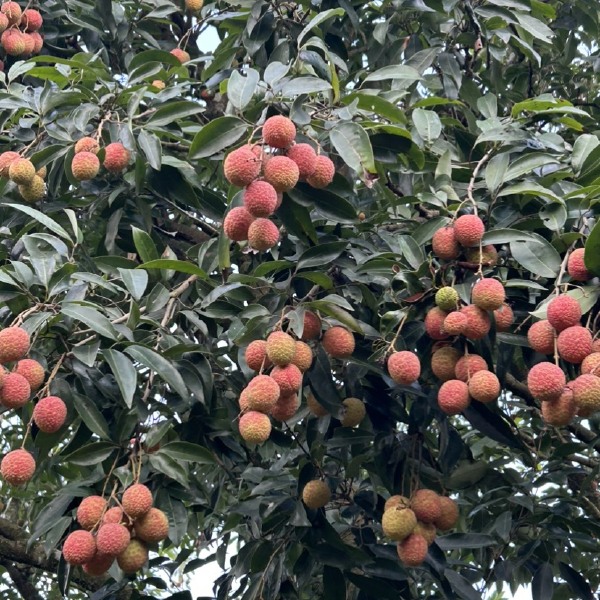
point(188, 452)
point(537, 255)
point(577, 583)
point(144, 245)
point(527, 163)
point(582, 148)
point(321, 255)
point(554, 216)
point(43, 219)
point(592, 250)
point(135, 280)
point(174, 112)
point(492, 424)
point(174, 265)
point(143, 58)
point(93, 318)
point(458, 541)
point(353, 145)
point(216, 136)
point(171, 468)
point(530, 188)
point(428, 124)
point(542, 586)
point(377, 105)
point(402, 72)
point(334, 584)
point(124, 373)
point(321, 17)
point(91, 454)
point(91, 416)
point(150, 145)
point(302, 85)
point(241, 88)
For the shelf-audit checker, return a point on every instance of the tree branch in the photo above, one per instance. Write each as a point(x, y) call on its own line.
point(21, 581)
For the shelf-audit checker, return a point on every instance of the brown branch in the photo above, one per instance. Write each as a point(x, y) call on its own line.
point(21, 581)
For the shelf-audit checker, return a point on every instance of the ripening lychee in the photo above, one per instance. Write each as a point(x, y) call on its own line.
point(85, 166)
point(412, 551)
point(87, 144)
point(262, 393)
point(444, 244)
point(256, 355)
point(468, 365)
point(596, 345)
point(236, 224)
point(159, 84)
point(541, 337)
point(17, 467)
point(574, 344)
point(280, 348)
point(282, 173)
point(99, 565)
point(560, 412)
point(323, 174)
point(286, 407)
point(29, 43)
point(181, 55)
point(563, 311)
point(42, 172)
point(455, 323)
point(449, 516)
point(255, 427)
point(38, 41)
point(15, 391)
point(487, 256)
point(443, 362)
point(478, 322)
point(447, 298)
point(79, 547)
point(586, 393)
point(546, 381)
point(404, 367)
point(112, 539)
point(488, 294)
point(137, 500)
point(90, 511)
point(3, 24)
point(6, 159)
point(134, 557)
point(194, 6)
point(260, 199)
point(241, 166)
point(303, 356)
point(288, 378)
point(21, 171)
point(396, 501)
point(314, 407)
point(13, 12)
point(453, 396)
point(316, 494)
point(14, 344)
point(469, 230)
point(31, 20)
point(504, 317)
point(305, 157)
point(279, 132)
point(13, 42)
point(434, 321)
point(263, 234)
point(426, 505)
point(152, 527)
point(398, 523)
point(114, 515)
point(576, 266)
point(34, 191)
point(338, 342)
point(116, 157)
point(243, 400)
point(354, 412)
point(50, 414)
point(312, 326)
point(484, 386)
point(591, 364)
point(427, 530)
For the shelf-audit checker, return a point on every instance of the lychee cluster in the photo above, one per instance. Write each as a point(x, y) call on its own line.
point(22, 172)
point(19, 29)
point(266, 171)
point(86, 164)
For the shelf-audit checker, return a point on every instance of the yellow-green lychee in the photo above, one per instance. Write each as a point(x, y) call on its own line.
point(316, 494)
point(303, 356)
point(280, 348)
point(398, 523)
point(134, 557)
point(396, 501)
point(586, 392)
point(447, 298)
point(354, 412)
point(315, 408)
point(21, 171)
point(255, 427)
point(34, 191)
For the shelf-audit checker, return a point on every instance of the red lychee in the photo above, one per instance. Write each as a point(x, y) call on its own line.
point(79, 547)
point(13, 42)
point(85, 166)
point(152, 527)
point(14, 344)
point(288, 378)
point(323, 174)
point(312, 326)
point(563, 311)
point(546, 381)
point(13, 12)
point(586, 393)
point(31, 20)
point(256, 355)
point(338, 342)
point(444, 244)
point(241, 167)
point(449, 517)
point(112, 539)
point(21, 171)
point(263, 234)
point(38, 41)
point(286, 407)
point(114, 515)
point(3, 23)
point(17, 467)
point(90, 511)
point(434, 322)
point(87, 144)
point(98, 566)
point(116, 157)
point(455, 323)
point(305, 157)
point(50, 414)
point(303, 356)
point(404, 367)
point(560, 412)
point(576, 266)
point(591, 364)
point(443, 363)
point(484, 386)
point(236, 224)
point(541, 337)
point(426, 505)
point(468, 365)
point(488, 294)
point(262, 393)
point(279, 131)
point(6, 158)
point(280, 348)
point(469, 230)
point(137, 500)
point(478, 322)
point(181, 55)
point(32, 371)
point(134, 557)
point(15, 391)
point(260, 199)
point(574, 344)
point(255, 427)
point(282, 173)
point(413, 550)
point(453, 397)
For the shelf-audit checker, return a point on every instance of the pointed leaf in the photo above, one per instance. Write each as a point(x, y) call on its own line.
point(124, 373)
point(93, 318)
point(91, 416)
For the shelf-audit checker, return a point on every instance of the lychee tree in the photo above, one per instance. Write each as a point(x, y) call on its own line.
point(305, 290)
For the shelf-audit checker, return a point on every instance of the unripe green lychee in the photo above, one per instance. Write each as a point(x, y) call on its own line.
point(315, 408)
point(303, 356)
point(426, 505)
point(152, 527)
point(469, 230)
point(286, 407)
point(484, 386)
point(280, 348)
point(79, 547)
point(434, 321)
point(181, 55)
point(90, 511)
point(50, 414)
point(468, 365)
point(6, 159)
point(546, 381)
point(312, 326)
point(478, 322)
point(444, 244)
point(488, 294)
point(34, 191)
point(316, 494)
point(21, 171)
point(541, 337)
point(263, 234)
point(260, 199)
point(31, 20)
point(447, 298)
point(413, 550)
point(262, 393)
point(85, 166)
point(591, 364)
point(563, 311)
point(279, 131)
point(116, 157)
point(255, 427)
point(443, 362)
point(137, 500)
point(323, 174)
point(87, 144)
point(256, 355)
point(236, 224)
point(354, 412)
point(398, 523)
point(427, 530)
point(338, 342)
point(282, 173)
point(15, 391)
point(586, 393)
point(17, 467)
point(241, 166)
point(487, 256)
point(14, 344)
point(134, 557)
point(288, 378)
point(404, 367)
point(576, 266)
point(574, 344)
point(112, 539)
point(453, 397)
point(396, 501)
point(455, 323)
point(449, 516)
point(305, 157)
point(561, 412)
point(99, 565)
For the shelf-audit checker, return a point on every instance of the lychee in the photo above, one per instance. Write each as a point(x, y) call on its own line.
point(413, 550)
point(596, 345)
point(468, 365)
point(488, 294)
point(255, 427)
point(449, 516)
point(13, 42)
point(42, 172)
point(455, 323)
point(305, 157)
point(404, 367)
point(323, 174)
point(243, 400)
point(85, 166)
point(444, 244)
point(546, 381)
point(487, 256)
point(315, 408)
point(15, 391)
point(79, 547)
point(286, 407)
point(99, 565)
point(134, 557)
point(112, 539)
point(3, 23)
point(114, 515)
point(29, 43)
point(469, 230)
point(396, 501)
point(87, 144)
point(263, 234)
point(260, 199)
point(137, 500)
point(576, 266)
point(478, 322)
point(50, 414)
point(116, 157)
point(338, 342)
point(17, 467)
point(541, 337)
point(6, 159)
point(560, 412)
point(426, 505)
point(262, 393)
point(279, 132)
point(194, 6)
point(447, 298)
point(152, 527)
point(288, 378)
point(316, 494)
point(312, 326)
point(484, 386)
point(90, 511)
point(13, 12)
point(282, 173)
point(159, 84)
point(443, 362)
point(31, 20)
point(256, 355)
point(181, 55)
point(453, 397)
point(427, 530)
point(563, 311)
point(14, 344)
point(574, 344)
point(398, 523)
point(280, 348)
point(591, 364)
point(303, 356)
point(586, 392)
point(38, 41)
point(354, 412)
point(21, 171)
point(434, 321)
point(236, 224)
point(241, 167)
point(34, 191)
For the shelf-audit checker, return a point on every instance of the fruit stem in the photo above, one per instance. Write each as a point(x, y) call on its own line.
point(400, 326)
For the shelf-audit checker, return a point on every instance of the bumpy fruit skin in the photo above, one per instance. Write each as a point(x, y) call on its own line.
point(42, 172)
point(312, 326)
point(488, 294)
point(13, 12)
point(263, 234)
point(443, 363)
point(596, 345)
point(50, 414)
point(487, 256)
point(434, 322)
point(541, 337)
point(13, 42)
point(152, 527)
point(354, 412)
point(586, 393)
point(574, 344)
point(303, 356)
point(444, 244)
point(455, 323)
point(449, 517)
point(6, 159)
point(478, 322)
point(468, 365)
point(90, 511)
point(79, 547)
point(14, 344)
point(260, 199)
point(591, 364)
point(469, 230)
point(159, 84)
point(396, 501)
point(447, 298)
point(338, 342)
point(29, 43)
point(305, 157)
point(236, 224)
point(38, 42)
point(3, 23)
point(87, 144)
point(243, 400)
point(262, 393)
point(99, 565)
point(85, 166)
point(21, 171)
point(31, 20)
point(15, 391)
point(315, 408)
point(241, 167)
point(181, 55)
point(288, 378)
point(286, 407)
point(114, 515)
point(563, 311)
point(116, 157)
point(137, 500)
point(194, 6)
point(413, 550)
point(484, 387)
point(34, 191)
point(398, 523)
point(427, 530)
point(17, 467)
point(561, 412)
point(404, 367)
point(282, 173)
point(316, 494)
point(546, 381)
point(279, 131)
point(256, 355)
point(323, 174)
point(426, 505)
point(112, 539)
point(134, 557)
point(255, 427)
point(453, 397)
point(280, 348)
point(576, 266)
